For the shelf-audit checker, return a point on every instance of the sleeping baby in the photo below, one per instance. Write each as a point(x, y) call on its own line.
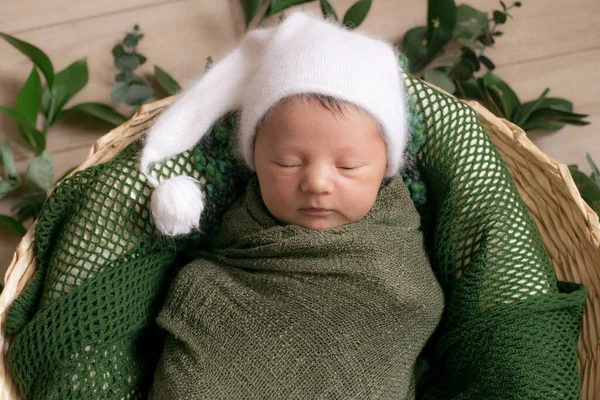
point(318, 285)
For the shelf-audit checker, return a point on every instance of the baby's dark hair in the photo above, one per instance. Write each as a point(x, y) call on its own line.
point(330, 103)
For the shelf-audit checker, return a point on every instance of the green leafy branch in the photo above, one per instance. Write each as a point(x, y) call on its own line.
point(352, 18)
point(50, 100)
point(474, 31)
point(131, 88)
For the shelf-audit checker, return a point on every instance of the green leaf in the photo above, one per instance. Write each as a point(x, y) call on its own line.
point(36, 55)
point(100, 111)
point(487, 62)
point(30, 98)
point(463, 70)
point(595, 171)
point(328, 11)
point(126, 62)
point(67, 84)
point(118, 51)
point(414, 48)
point(14, 114)
point(131, 40)
point(523, 112)
point(7, 159)
point(117, 93)
point(470, 44)
point(469, 89)
point(40, 173)
point(12, 224)
point(441, 21)
point(499, 17)
point(470, 22)
point(280, 5)
point(137, 94)
point(440, 79)
point(357, 13)
point(46, 101)
point(250, 8)
point(168, 84)
point(555, 103)
point(508, 98)
point(29, 206)
point(140, 58)
point(7, 186)
point(33, 137)
point(589, 190)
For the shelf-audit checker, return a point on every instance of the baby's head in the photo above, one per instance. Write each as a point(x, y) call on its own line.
point(323, 121)
point(320, 161)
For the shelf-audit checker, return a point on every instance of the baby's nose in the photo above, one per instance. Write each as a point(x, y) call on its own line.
point(317, 180)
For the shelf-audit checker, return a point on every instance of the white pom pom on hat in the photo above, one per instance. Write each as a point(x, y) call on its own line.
point(304, 54)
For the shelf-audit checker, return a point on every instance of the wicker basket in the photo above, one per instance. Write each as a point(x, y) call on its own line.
point(569, 229)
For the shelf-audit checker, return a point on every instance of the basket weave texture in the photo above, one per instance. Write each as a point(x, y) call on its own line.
point(569, 229)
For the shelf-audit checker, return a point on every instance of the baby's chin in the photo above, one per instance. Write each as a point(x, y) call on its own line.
point(320, 224)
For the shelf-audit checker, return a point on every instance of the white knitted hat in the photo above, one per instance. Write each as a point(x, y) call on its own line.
point(304, 54)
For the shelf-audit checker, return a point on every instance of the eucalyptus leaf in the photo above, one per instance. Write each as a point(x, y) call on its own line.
point(280, 5)
point(440, 79)
point(595, 171)
point(137, 94)
point(131, 40)
point(441, 21)
point(166, 82)
point(357, 14)
point(8, 161)
point(36, 55)
point(100, 111)
point(12, 224)
point(508, 98)
point(250, 9)
point(117, 93)
point(67, 84)
point(328, 11)
point(40, 173)
point(470, 22)
point(30, 98)
point(140, 58)
point(589, 190)
point(126, 62)
point(499, 17)
point(414, 48)
point(118, 50)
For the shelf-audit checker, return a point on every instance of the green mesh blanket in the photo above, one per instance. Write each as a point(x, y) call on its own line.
point(277, 311)
point(84, 326)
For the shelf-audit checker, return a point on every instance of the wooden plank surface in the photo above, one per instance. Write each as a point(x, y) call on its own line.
point(550, 43)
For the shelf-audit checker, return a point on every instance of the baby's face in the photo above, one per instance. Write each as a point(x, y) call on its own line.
point(318, 169)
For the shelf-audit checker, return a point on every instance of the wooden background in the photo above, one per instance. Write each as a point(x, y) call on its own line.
point(549, 43)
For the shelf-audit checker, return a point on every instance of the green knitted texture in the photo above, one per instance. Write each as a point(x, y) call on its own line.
point(85, 324)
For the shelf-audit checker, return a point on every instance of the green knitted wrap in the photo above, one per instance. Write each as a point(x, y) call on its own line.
point(84, 326)
point(278, 311)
